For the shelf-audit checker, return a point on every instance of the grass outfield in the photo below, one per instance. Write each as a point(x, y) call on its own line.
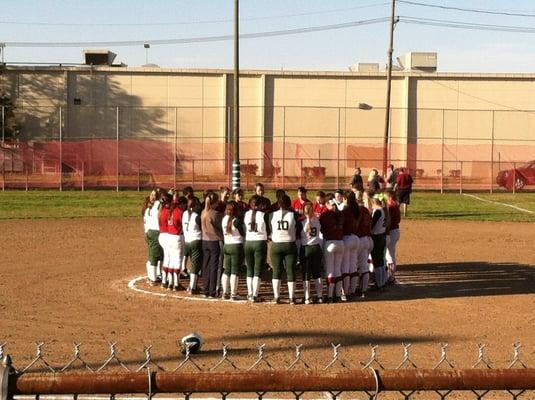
point(425, 205)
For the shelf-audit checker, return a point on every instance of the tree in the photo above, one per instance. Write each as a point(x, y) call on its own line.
point(11, 126)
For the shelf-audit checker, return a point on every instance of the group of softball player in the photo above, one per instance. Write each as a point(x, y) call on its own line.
point(333, 243)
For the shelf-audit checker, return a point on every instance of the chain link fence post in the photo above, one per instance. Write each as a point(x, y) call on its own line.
point(5, 370)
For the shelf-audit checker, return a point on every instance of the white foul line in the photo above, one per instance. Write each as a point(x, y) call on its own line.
point(132, 285)
point(501, 204)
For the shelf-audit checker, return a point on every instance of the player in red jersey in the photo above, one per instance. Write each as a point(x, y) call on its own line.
point(175, 242)
point(298, 204)
point(333, 234)
point(319, 205)
point(163, 216)
point(237, 195)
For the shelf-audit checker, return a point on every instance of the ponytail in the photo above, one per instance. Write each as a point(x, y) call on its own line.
point(210, 199)
point(231, 211)
point(254, 208)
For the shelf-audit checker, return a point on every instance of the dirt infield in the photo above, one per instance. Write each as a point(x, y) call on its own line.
point(65, 281)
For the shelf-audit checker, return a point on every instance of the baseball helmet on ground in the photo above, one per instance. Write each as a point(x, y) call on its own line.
point(193, 341)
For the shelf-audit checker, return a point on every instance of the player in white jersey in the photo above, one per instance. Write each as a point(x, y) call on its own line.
point(256, 234)
point(191, 226)
point(152, 231)
point(284, 227)
point(311, 254)
point(233, 237)
point(379, 223)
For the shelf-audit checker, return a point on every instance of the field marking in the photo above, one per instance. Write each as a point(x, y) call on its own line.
point(132, 285)
point(498, 203)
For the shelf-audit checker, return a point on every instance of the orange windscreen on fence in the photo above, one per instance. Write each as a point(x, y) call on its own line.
point(101, 163)
point(141, 147)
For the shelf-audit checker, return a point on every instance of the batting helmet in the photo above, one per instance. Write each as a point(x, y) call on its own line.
point(193, 342)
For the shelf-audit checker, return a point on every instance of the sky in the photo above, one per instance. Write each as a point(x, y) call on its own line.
point(459, 50)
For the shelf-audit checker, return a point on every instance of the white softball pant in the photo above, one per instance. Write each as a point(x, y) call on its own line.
point(334, 256)
point(391, 247)
point(163, 239)
point(366, 246)
point(351, 249)
point(175, 245)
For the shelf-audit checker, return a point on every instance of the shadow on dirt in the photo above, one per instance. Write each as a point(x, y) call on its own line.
point(437, 281)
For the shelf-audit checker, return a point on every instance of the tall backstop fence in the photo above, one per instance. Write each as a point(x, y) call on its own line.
point(186, 376)
point(137, 147)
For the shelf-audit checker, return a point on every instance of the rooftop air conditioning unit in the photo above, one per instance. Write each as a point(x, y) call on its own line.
point(426, 62)
point(99, 57)
point(364, 67)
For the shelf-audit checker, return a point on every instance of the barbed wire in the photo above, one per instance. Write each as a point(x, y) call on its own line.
point(185, 358)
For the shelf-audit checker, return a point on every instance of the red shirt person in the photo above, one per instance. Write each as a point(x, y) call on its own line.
point(404, 188)
point(319, 207)
point(298, 205)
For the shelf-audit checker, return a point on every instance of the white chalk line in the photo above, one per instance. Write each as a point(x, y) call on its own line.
point(132, 285)
point(500, 204)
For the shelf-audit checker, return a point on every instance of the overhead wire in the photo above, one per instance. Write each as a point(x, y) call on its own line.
point(464, 9)
point(465, 25)
point(202, 39)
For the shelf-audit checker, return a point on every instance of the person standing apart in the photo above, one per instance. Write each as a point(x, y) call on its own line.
point(212, 234)
point(404, 188)
point(256, 234)
point(356, 181)
point(285, 228)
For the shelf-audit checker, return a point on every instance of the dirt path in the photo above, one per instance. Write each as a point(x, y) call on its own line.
point(65, 281)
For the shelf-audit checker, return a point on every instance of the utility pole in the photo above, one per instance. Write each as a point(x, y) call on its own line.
point(389, 84)
point(236, 127)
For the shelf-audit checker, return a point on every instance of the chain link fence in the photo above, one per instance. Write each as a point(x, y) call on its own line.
point(139, 147)
point(185, 376)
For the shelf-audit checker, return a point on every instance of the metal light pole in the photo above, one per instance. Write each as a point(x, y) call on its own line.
point(147, 47)
point(236, 127)
point(389, 84)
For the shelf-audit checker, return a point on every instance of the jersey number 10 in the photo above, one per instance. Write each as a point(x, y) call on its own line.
point(283, 225)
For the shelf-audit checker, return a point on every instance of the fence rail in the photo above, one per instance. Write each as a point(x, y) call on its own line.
point(336, 376)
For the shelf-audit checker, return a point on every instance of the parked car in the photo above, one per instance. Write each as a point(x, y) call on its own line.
point(519, 177)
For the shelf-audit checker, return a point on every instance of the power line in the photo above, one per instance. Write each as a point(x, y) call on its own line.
point(213, 21)
point(466, 25)
point(202, 39)
point(462, 9)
